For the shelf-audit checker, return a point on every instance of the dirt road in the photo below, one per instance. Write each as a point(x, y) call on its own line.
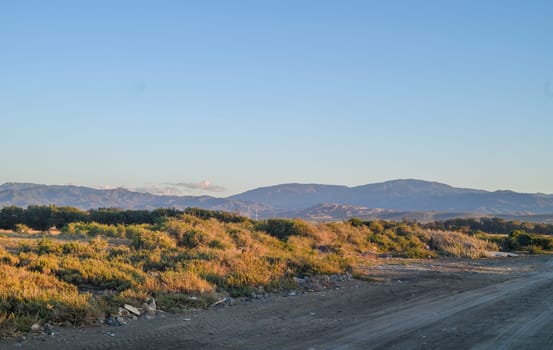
point(441, 304)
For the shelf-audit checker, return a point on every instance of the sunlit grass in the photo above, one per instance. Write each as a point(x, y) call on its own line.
point(43, 278)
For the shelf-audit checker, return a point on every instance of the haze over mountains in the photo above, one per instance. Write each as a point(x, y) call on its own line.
point(412, 198)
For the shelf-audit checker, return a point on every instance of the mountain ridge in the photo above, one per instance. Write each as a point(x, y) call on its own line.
point(391, 197)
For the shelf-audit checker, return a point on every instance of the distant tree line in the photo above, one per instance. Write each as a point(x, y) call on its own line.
point(219, 215)
point(490, 225)
point(42, 218)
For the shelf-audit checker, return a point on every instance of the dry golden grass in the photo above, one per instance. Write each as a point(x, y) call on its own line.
point(183, 282)
point(176, 258)
point(458, 244)
point(27, 296)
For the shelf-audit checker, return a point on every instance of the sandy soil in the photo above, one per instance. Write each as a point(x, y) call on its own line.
point(503, 303)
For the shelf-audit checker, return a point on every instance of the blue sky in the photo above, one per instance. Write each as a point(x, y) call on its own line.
point(251, 93)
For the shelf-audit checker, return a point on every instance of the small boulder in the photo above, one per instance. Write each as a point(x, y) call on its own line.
point(152, 304)
point(111, 321)
point(48, 329)
point(132, 309)
point(123, 312)
point(36, 328)
point(149, 311)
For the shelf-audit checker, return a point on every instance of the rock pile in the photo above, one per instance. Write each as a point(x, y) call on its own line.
point(47, 329)
point(317, 283)
point(128, 312)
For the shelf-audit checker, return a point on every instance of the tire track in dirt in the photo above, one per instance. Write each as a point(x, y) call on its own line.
point(387, 325)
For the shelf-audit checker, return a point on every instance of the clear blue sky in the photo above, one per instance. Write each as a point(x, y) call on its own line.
point(252, 93)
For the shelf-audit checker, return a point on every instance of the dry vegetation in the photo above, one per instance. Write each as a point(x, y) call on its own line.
point(458, 244)
point(90, 269)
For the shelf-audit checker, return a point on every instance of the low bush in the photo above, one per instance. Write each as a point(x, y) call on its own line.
point(22, 228)
point(26, 296)
point(520, 240)
point(458, 244)
point(199, 253)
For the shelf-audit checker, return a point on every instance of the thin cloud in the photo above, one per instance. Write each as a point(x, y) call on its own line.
point(205, 185)
point(172, 189)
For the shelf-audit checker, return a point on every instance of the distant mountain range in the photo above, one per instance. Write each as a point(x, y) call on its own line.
point(392, 199)
point(25, 194)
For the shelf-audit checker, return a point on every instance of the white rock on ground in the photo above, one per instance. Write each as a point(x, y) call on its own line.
point(152, 304)
point(148, 310)
point(36, 328)
point(132, 309)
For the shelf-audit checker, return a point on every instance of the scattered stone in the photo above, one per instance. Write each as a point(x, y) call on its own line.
point(123, 312)
point(19, 341)
point(146, 308)
point(48, 329)
point(340, 278)
point(324, 279)
point(132, 309)
point(300, 282)
point(152, 304)
point(500, 254)
point(36, 328)
point(218, 302)
point(260, 295)
point(227, 301)
point(110, 321)
point(319, 282)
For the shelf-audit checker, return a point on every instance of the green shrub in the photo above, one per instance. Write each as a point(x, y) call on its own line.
point(216, 244)
point(24, 293)
point(520, 240)
point(47, 246)
point(145, 239)
point(22, 228)
point(192, 239)
point(284, 228)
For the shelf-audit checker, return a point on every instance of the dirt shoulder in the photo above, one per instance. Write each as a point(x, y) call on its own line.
point(433, 304)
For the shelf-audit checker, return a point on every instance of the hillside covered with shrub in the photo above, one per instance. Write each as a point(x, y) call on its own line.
point(102, 259)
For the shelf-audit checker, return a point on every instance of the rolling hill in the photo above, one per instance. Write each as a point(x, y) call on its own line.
point(318, 202)
point(402, 195)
